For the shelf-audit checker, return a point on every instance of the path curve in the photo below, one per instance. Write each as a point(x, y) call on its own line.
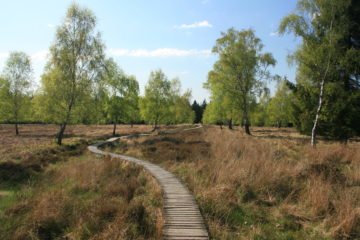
point(182, 216)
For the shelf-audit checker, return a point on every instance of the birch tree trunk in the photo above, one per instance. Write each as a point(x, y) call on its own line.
point(321, 95)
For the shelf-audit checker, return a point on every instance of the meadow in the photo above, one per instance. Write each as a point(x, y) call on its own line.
point(247, 182)
point(271, 185)
point(50, 192)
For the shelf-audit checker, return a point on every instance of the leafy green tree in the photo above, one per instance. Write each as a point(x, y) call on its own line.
point(154, 106)
point(115, 82)
point(327, 87)
point(180, 109)
point(123, 92)
point(279, 107)
point(163, 101)
point(222, 100)
point(240, 72)
point(15, 87)
point(179, 105)
point(75, 64)
point(37, 107)
point(4, 100)
point(98, 101)
point(260, 110)
point(132, 100)
point(214, 113)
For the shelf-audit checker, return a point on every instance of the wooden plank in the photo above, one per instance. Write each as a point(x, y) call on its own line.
point(182, 217)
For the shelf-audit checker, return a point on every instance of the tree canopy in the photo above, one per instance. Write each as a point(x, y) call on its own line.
point(76, 59)
point(122, 93)
point(15, 87)
point(163, 102)
point(239, 74)
point(279, 107)
point(327, 97)
point(80, 84)
point(198, 110)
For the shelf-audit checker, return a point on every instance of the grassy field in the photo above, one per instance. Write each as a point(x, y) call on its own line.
point(52, 192)
point(271, 185)
point(35, 137)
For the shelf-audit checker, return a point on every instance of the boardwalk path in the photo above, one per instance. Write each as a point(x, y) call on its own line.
point(183, 219)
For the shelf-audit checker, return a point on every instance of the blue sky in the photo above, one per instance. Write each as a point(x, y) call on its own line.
point(141, 35)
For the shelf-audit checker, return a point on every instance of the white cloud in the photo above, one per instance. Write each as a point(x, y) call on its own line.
point(195, 25)
point(274, 34)
point(39, 56)
point(160, 52)
point(50, 25)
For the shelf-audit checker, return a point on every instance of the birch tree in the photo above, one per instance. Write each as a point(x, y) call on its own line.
point(75, 63)
point(122, 92)
point(327, 85)
point(155, 105)
point(241, 70)
point(15, 89)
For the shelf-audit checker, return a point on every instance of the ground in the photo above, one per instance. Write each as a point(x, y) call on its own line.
point(53, 192)
point(271, 185)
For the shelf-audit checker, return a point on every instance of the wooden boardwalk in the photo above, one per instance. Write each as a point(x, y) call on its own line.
point(183, 219)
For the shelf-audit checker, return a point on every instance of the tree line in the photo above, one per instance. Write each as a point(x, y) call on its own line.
point(80, 84)
point(325, 99)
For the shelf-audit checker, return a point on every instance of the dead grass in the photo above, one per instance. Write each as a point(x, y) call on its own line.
point(44, 195)
point(24, 156)
point(36, 137)
point(87, 198)
point(271, 185)
point(268, 186)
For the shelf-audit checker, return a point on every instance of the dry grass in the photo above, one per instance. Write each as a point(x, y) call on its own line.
point(35, 137)
point(24, 156)
point(268, 186)
point(86, 198)
point(52, 192)
point(271, 185)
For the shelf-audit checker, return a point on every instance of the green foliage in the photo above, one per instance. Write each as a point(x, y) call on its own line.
point(15, 88)
point(163, 102)
point(180, 108)
point(279, 107)
point(75, 65)
point(154, 106)
point(330, 54)
point(221, 110)
point(259, 110)
point(238, 75)
point(132, 100)
point(213, 113)
point(199, 110)
point(5, 105)
point(122, 92)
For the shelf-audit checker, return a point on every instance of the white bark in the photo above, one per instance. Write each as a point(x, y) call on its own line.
point(321, 95)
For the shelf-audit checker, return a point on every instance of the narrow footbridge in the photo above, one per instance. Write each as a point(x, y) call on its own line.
point(182, 216)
